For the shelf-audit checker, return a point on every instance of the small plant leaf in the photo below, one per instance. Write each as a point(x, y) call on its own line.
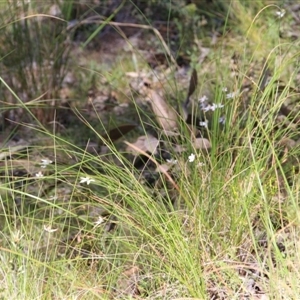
point(193, 83)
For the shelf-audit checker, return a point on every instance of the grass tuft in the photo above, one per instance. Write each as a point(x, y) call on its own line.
point(83, 218)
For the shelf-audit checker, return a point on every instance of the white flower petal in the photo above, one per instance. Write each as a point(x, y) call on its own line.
point(280, 13)
point(232, 95)
point(172, 161)
point(222, 120)
point(192, 157)
point(99, 221)
point(207, 108)
point(203, 99)
point(204, 123)
point(213, 107)
point(45, 162)
point(49, 229)
point(218, 105)
point(86, 180)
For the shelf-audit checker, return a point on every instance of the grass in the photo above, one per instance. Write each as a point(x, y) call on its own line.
point(224, 226)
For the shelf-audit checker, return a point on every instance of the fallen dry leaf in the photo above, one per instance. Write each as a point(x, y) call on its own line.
point(127, 283)
point(164, 167)
point(12, 150)
point(118, 132)
point(202, 143)
point(144, 143)
point(31, 167)
point(166, 116)
point(168, 177)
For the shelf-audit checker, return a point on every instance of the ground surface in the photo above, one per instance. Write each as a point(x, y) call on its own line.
point(103, 90)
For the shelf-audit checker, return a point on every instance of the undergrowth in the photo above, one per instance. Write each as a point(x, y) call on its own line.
point(82, 221)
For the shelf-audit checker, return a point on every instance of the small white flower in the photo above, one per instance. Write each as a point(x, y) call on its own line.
point(280, 13)
point(99, 221)
point(203, 106)
point(39, 174)
point(201, 164)
point(231, 95)
point(207, 108)
point(224, 89)
point(45, 162)
point(203, 99)
point(217, 105)
point(49, 229)
point(192, 157)
point(212, 107)
point(86, 180)
point(172, 161)
point(204, 123)
point(222, 120)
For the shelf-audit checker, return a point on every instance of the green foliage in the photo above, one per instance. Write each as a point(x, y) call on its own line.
point(34, 55)
point(82, 223)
